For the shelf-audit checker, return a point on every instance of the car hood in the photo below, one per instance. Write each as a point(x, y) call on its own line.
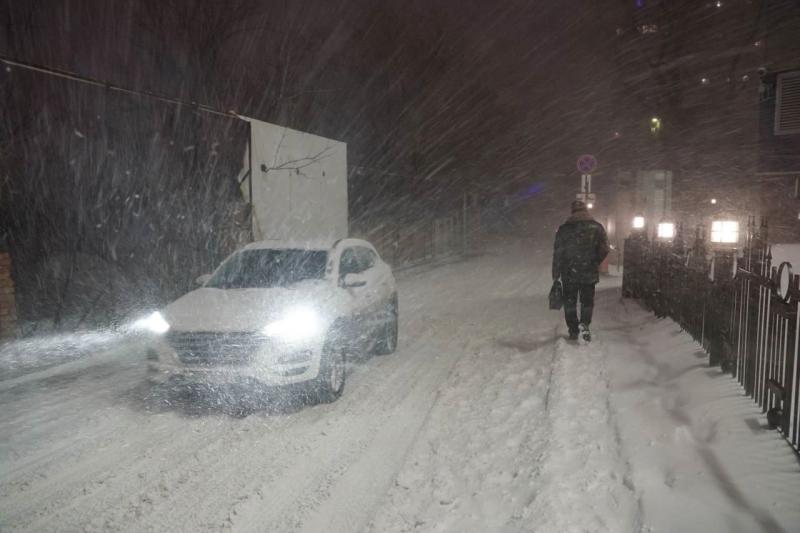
point(240, 310)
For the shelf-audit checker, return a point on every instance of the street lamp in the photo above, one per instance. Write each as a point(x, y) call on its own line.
point(655, 125)
point(725, 232)
point(666, 231)
point(724, 241)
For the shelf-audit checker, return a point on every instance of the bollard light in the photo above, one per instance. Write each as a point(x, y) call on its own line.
point(638, 222)
point(725, 232)
point(666, 231)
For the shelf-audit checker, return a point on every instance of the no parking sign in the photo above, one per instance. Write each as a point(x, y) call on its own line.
point(587, 163)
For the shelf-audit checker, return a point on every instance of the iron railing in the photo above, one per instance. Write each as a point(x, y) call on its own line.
point(742, 309)
point(411, 243)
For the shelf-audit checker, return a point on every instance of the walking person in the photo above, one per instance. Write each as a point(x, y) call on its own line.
point(581, 245)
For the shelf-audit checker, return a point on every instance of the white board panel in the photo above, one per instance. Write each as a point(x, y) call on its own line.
point(299, 184)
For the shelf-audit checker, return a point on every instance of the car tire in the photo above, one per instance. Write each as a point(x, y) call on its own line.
point(387, 343)
point(329, 383)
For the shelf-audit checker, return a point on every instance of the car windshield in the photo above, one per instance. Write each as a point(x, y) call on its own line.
point(250, 269)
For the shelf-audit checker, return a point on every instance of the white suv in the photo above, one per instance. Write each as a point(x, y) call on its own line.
point(279, 314)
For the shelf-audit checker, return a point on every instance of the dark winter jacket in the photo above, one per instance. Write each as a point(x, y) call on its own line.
point(581, 245)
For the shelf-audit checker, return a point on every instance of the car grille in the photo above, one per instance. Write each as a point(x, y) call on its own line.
point(213, 349)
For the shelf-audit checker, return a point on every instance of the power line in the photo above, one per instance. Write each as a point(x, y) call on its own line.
point(67, 75)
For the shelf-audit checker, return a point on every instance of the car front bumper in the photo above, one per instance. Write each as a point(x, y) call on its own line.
point(232, 358)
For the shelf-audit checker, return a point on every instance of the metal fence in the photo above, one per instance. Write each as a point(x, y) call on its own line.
point(409, 243)
point(741, 308)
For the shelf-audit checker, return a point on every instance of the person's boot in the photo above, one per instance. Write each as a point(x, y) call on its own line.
point(573, 335)
point(585, 333)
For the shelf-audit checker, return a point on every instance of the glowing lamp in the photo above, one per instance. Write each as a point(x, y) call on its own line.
point(725, 231)
point(638, 222)
point(655, 125)
point(153, 323)
point(666, 230)
point(590, 205)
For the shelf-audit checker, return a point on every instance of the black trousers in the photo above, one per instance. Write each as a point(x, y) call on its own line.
point(572, 292)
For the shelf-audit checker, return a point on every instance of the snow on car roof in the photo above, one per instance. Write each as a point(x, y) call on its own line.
point(276, 244)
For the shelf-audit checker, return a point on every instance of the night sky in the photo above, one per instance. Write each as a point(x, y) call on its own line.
point(514, 89)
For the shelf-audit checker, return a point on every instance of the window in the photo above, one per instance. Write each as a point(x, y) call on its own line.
point(787, 104)
point(356, 260)
point(366, 258)
point(349, 263)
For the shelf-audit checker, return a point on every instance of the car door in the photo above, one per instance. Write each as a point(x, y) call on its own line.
point(372, 296)
point(379, 275)
point(358, 295)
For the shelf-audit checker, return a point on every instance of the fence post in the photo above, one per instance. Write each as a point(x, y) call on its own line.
point(464, 224)
point(632, 264)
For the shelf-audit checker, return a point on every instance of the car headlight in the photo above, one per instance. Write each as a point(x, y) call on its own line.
point(154, 323)
point(298, 324)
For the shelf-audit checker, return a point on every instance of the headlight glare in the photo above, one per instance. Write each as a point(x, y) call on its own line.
point(154, 323)
point(298, 324)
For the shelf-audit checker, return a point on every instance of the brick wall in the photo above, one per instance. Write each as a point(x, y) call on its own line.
point(8, 308)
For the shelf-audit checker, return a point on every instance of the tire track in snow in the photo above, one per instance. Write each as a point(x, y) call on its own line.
point(406, 394)
point(470, 468)
point(128, 470)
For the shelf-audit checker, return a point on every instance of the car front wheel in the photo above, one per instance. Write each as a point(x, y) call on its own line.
point(387, 343)
point(329, 384)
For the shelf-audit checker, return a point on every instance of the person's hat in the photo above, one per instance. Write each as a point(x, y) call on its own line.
point(578, 205)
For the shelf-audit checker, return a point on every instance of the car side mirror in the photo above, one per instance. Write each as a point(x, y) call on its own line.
point(353, 280)
point(202, 280)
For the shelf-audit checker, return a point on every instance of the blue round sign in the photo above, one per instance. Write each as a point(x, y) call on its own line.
point(587, 163)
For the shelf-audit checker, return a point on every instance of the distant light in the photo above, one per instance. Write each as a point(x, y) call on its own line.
point(638, 222)
point(757, 44)
point(719, 3)
point(704, 81)
point(590, 205)
point(713, 200)
point(745, 77)
point(617, 135)
point(666, 230)
point(725, 231)
point(655, 125)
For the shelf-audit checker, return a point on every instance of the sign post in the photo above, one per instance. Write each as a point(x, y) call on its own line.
point(587, 164)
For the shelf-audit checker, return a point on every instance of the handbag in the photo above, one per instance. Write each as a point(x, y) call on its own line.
point(556, 295)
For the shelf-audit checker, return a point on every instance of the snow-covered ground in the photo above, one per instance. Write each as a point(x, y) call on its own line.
point(484, 420)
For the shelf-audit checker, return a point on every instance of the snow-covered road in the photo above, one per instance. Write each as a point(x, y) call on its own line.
point(484, 420)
